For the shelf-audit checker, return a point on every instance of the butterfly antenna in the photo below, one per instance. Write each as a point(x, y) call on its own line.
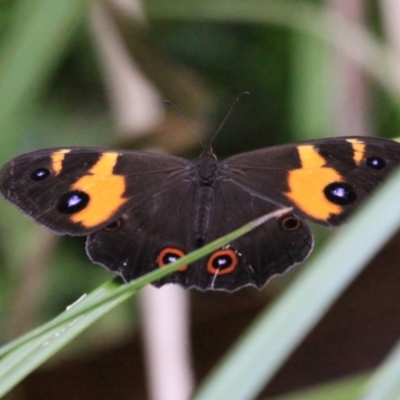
point(182, 117)
point(227, 115)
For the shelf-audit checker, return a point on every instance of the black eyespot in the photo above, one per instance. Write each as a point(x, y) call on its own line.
point(290, 223)
point(340, 193)
point(40, 174)
point(73, 202)
point(376, 163)
point(114, 226)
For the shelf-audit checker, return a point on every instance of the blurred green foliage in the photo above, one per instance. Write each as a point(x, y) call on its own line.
point(53, 93)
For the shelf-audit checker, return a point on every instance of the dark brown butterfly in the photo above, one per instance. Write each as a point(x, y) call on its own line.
point(142, 211)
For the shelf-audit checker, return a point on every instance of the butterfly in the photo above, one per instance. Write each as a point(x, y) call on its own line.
point(141, 211)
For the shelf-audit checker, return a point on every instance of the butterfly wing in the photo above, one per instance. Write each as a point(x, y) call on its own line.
point(324, 180)
point(80, 190)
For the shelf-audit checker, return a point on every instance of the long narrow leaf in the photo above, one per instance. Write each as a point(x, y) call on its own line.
point(276, 333)
point(30, 351)
point(18, 364)
point(344, 389)
point(30, 51)
point(385, 383)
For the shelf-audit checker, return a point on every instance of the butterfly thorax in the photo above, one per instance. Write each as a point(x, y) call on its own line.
point(207, 167)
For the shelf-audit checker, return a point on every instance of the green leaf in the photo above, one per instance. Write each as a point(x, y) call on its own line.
point(30, 50)
point(344, 389)
point(28, 352)
point(384, 384)
point(252, 362)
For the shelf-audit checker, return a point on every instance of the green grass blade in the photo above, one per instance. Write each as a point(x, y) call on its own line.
point(385, 383)
point(39, 34)
point(344, 389)
point(104, 295)
point(25, 354)
point(276, 333)
point(16, 365)
point(311, 76)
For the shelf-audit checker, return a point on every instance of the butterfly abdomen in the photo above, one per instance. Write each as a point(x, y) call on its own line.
point(207, 167)
point(203, 203)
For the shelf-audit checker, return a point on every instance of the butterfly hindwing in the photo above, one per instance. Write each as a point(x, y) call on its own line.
point(135, 245)
point(254, 258)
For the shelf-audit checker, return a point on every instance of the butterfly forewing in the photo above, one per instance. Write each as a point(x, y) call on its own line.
point(324, 180)
point(77, 191)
